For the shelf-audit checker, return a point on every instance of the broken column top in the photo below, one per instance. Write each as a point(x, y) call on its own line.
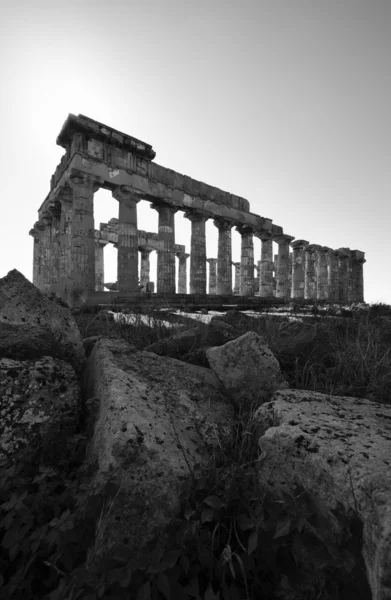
point(82, 124)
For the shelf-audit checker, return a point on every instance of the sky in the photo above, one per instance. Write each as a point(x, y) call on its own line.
point(283, 102)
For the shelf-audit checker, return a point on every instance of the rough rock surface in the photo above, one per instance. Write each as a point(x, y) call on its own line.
point(181, 344)
point(24, 307)
point(39, 408)
point(339, 449)
point(155, 417)
point(247, 368)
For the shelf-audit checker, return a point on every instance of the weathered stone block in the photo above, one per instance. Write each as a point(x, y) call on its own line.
point(22, 304)
point(40, 405)
point(247, 368)
point(338, 449)
point(156, 416)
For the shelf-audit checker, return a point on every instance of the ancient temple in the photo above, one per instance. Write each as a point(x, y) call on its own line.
point(68, 250)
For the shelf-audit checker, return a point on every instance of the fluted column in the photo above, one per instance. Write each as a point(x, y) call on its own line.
point(182, 272)
point(145, 266)
point(322, 289)
point(257, 277)
point(82, 255)
point(266, 276)
point(236, 288)
point(37, 232)
point(55, 249)
point(224, 257)
point(246, 261)
point(166, 254)
point(282, 271)
point(212, 275)
point(197, 252)
point(298, 248)
point(99, 264)
point(343, 260)
point(333, 276)
point(357, 290)
point(46, 254)
point(127, 260)
point(65, 284)
point(311, 271)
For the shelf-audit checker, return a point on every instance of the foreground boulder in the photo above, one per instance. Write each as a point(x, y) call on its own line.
point(155, 418)
point(338, 449)
point(183, 345)
point(40, 406)
point(34, 325)
point(247, 368)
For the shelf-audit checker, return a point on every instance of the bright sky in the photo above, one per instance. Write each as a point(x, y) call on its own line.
point(283, 102)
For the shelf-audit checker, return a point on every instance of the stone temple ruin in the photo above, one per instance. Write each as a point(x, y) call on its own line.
point(68, 250)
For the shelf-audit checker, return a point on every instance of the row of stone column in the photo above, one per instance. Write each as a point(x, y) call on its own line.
point(65, 254)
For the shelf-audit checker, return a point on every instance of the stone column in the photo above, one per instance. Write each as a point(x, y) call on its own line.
point(267, 266)
point(127, 260)
point(311, 271)
point(282, 271)
point(322, 289)
point(298, 268)
point(65, 285)
point(257, 279)
point(236, 288)
point(99, 264)
point(82, 256)
point(197, 252)
point(290, 287)
point(224, 257)
point(246, 261)
point(343, 259)
point(166, 255)
point(357, 262)
point(46, 262)
point(55, 249)
point(333, 276)
point(212, 275)
point(145, 266)
point(182, 272)
point(36, 232)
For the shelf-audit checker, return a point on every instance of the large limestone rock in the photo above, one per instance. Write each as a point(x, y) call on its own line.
point(155, 418)
point(339, 450)
point(40, 407)
point(31, 325)
point(247, 368)
point(185, 343)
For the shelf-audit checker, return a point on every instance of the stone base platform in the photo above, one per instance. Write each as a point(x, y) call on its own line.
point(187, 301)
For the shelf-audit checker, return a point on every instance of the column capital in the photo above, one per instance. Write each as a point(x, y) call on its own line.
point(283, 237)
point(358, 256)
point(100, 243)
point(265, 235)
point(343, 253)
point(244, 229)
point(196, 215)
point(145, 249)
point(78, 179)
point(299, 244)
point(223, 223)
point(313, 248)
point(164, 204)
point(211, 260)
point(124, 193)
point(182, 255)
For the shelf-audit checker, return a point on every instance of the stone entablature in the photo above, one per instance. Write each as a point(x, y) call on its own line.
point(68, 251)
point(104, 154)
point(108, 232)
